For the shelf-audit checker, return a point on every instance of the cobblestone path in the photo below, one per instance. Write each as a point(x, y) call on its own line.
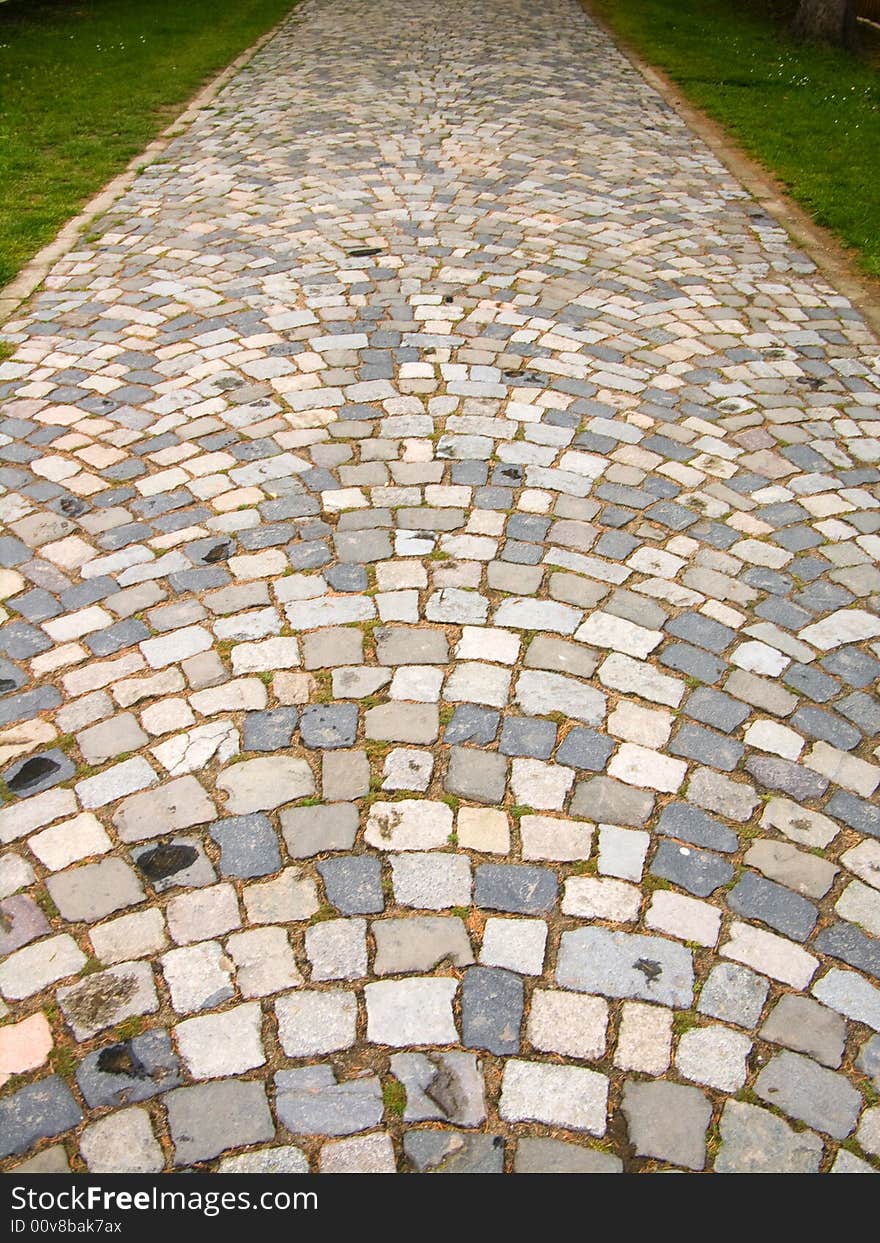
point(439, 719)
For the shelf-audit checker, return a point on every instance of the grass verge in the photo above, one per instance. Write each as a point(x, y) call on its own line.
point(86, 84)
point(810, 114)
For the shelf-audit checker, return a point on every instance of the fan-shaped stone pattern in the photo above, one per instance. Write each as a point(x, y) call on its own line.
point(438, 683)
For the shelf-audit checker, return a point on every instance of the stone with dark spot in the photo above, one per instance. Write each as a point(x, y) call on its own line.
point(38, 773)
point(129, 1070)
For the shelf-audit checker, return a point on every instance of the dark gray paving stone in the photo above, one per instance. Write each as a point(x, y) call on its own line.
point(309, 1101)
point(38, 1111)
point(492, 1003)
point(701, 631)
point(11, 677)
point(693, 742)
point(856, 812)
point(690, 824)
point(827, 726)
point(271, 730)
point(39, 772)
point(353, 884)
point(248, 845)
point(347, 577)
point(25, 705)
point(863, 710)
point(529, 736)
point(129, 1071)
point(327, 726)
point(810, 682)
point(700, 872)
point(472, 724)
point(714, 708)
point(856, 667)
point(116, 638)
point(211, 1118)
point(585, 748)
point(851, 945)
point(517, 888)
point(692, 661)
point(756, 898)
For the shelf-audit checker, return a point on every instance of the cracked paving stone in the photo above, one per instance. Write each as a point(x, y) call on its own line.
point(310, 1101)
point(454, 1152)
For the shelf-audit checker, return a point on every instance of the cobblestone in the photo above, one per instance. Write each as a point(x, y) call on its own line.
point(435, 655)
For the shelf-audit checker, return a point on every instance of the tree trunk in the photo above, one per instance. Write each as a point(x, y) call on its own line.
point(831, 21)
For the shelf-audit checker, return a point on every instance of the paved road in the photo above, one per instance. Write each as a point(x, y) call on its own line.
point(441, 637)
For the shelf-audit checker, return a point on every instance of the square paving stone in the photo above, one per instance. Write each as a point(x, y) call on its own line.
point(477, 775)
point(211, 1118)
point(353, 884)
point(585, 748)
point(313, 830)
point(248, 845)
point(528, 736)
point(442, 1087)
point(38, 1111)
point(328, 726)
point(735, 994)
point(311, 1022)
point(668, 1122)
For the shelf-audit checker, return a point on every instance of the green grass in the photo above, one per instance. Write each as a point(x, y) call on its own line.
point(810, 114)
point(86, 84)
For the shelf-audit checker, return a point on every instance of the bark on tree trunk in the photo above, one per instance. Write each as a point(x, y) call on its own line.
point(831, 21)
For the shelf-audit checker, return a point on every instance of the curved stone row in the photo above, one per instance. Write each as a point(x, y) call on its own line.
point(438, 715)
